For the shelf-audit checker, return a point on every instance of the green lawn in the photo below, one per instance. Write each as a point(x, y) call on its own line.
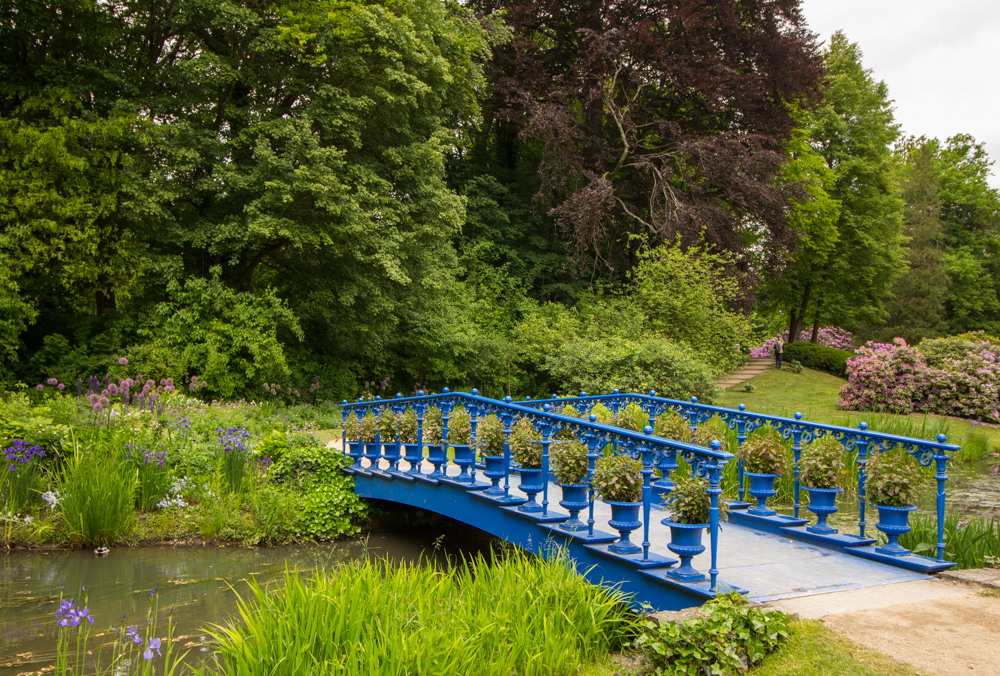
point(815, 395)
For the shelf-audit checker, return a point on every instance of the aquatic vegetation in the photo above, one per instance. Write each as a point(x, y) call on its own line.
point(969, 541)
point(369, 619)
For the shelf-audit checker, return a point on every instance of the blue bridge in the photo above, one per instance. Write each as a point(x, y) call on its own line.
point(754, 550)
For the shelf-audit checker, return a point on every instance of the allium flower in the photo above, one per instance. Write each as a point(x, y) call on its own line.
point(105, 401)
point(168, 388)
point(123, 361)
point(52, 381)
point(112, 389)
point(39, 387)
point(60, 387)
point(98, 407)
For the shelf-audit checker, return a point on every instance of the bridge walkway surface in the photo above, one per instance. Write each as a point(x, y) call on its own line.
point(766, 566)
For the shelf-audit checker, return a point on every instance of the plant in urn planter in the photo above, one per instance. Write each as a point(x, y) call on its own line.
point(368, 431)
point(891, 485)
point(433, 439)
point(527, 451)
point(764, 460)
point(821, 465)
point(618, 481)
point(352, 432)
point(489, 446)
point(388, 426)
point(407, 429)
point(571, 465)
point(690, 505)
point(460, 440)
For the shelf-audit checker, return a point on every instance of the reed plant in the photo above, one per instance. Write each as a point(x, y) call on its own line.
point(969, 541)
point(513, 615)
point(98, 489)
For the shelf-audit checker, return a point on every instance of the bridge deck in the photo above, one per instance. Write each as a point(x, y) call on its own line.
point(768, 566)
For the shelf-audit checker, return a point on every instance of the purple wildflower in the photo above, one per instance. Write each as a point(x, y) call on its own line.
point(39, 387)
point(60, 387)
point(123, 361)
point(52, 381)
point(154, 645)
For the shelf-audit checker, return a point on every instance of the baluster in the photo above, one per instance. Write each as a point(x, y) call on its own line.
point(714, 480)
point(508, 419)
point(344, 412)
point(861, 445)
point(445, 410)
point(693, 419)
point(797, 451)
point(592, 457)
point(941, 465)
point(473, 411)
point(375, 460)
point(741, 436)
point(647, 491)
point(546, 428)
point(419, 409)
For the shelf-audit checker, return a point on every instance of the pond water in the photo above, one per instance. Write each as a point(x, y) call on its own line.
point(199, 583)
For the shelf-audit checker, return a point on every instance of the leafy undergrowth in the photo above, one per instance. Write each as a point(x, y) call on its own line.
point(814, 650)
point(511, 615)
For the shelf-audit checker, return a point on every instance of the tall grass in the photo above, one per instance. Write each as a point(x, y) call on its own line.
point(98, 489)
point(969, 541)
point(514, 615)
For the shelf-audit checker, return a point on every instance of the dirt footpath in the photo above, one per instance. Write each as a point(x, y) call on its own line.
point(942, 627)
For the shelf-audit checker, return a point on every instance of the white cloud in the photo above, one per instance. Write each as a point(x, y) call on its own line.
point(941, 61)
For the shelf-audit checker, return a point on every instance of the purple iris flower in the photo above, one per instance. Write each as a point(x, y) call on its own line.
point(133, 634)
point(154, 645)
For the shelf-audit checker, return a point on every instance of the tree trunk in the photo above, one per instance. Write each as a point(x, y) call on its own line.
point(819, 307)
point(799, 318)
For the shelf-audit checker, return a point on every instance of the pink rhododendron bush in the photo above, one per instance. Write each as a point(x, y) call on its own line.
point(830, 336)
point(895, 377)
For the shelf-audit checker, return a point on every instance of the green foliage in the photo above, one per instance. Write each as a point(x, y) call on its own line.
point(749, 387)
point(407, 426)
point(460, 621)
point(763, 453)
point(689, 501)
point(97, 488)
point(671, 425)
point(937, 351)
point(525, 448)
point(891, 479)
point(489, 436)
point(819, 357)
point(686, 295)
point(460, 427)
point(728, 637)
point(971, 541)
point(618, 478)
point(821, 463)
point(569, 461)
point(632, 417)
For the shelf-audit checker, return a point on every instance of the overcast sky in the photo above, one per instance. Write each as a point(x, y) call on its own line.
point(940, 60)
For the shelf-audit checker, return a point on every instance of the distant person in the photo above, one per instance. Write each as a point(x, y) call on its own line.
point(779, 348)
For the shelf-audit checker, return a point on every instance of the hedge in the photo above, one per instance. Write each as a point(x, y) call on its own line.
point(819, 357)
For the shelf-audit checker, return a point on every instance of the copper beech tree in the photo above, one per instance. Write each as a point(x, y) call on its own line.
point(656, 117)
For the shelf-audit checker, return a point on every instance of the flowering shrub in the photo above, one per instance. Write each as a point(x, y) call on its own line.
point(896, 378)
point(828, 336)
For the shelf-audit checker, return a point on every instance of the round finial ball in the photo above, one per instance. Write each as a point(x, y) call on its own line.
point(616, 391)
point(647, 429)
point(743, 407)
point(446, 390)
point(798, 416)
point(694, 400)
point(863, 426)
point(553, 396)
point(343, 402)
point(652, 393)
point(527, 398)
point(399, 395)
point(378, 398)
point(360, 399)
point(420, 393)
point(942, 438)
point(507, 399)
point(715, 445)
point(593, 417)
point(475, 391)
point(547, 408)
point(582, 393)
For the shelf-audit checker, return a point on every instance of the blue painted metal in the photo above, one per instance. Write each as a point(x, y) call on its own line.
point(707, 462)
point(823, 503)
point(800, 432)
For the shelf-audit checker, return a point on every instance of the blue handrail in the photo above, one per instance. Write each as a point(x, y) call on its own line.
point(704, 462)
point(796, 429)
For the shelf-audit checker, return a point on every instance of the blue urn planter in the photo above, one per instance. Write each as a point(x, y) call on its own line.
point(495, 471)
point(437, 457)
point(465, 457)
point(531, 485)
point(354, 450)
point(823, 503)
point(624, 519)
point(893, 521)
point(391, 453)
point(574, 499)
point(412, 455)
point(762, 488)
point(685, 542)
point(371, 452)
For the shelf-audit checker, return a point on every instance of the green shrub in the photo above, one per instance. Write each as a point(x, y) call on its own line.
point(821, 463)
point(569, 461)
point(671, 425)
point(819, 357)
point(371, 618)
point(689, 501)
point(489, 436)
point(891, 479)
point(727, 638)
point(764, 453)
point(618, 478)
point(937, 351)
point(524, 445)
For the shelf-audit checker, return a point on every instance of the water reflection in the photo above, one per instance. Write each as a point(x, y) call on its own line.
point(198, 583)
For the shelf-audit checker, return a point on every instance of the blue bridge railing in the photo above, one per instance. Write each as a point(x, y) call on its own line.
point(801, 432)
point(599, 439)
